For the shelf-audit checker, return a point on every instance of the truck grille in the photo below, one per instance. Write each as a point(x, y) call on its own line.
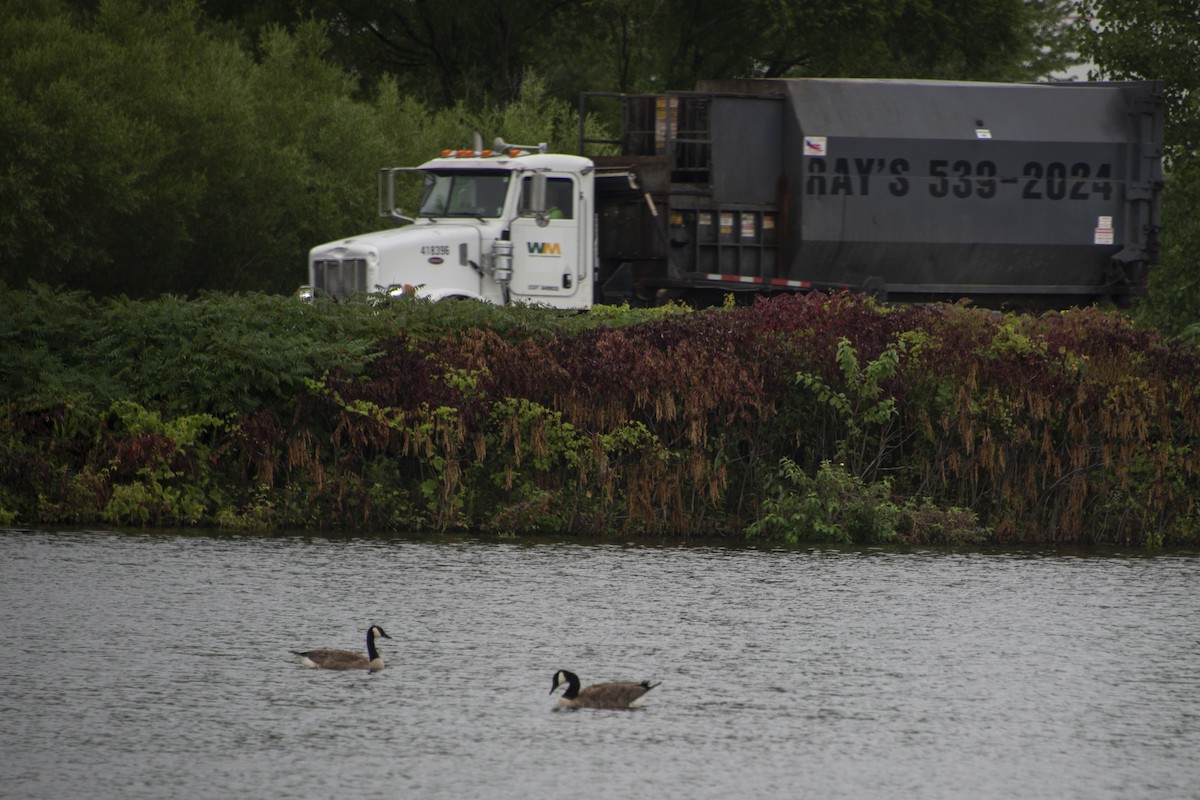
point(340, 279)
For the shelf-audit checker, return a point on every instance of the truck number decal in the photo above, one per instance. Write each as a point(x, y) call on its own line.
point(1051, 180)
point(956, 179)
point(961, 179)
point(435, 250)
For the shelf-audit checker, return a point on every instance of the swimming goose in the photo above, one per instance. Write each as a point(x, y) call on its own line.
point(346, 659)
point(600, 695)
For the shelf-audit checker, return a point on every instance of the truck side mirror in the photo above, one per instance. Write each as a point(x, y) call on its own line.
point(385, 195)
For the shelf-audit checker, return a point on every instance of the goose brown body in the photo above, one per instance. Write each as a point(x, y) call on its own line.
point(618, 695)
point(346, 659)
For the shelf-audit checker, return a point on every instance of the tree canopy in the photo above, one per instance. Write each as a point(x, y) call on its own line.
point(444, 53)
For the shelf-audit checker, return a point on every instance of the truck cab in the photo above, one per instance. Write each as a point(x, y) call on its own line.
point(507, 225)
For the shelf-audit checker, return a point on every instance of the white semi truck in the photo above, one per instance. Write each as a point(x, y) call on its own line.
point(1031, 195)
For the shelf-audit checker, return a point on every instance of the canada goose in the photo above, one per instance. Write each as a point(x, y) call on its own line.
point(601, 695)
point(346, 659)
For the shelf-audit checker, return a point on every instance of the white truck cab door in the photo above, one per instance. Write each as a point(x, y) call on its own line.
point(547, 253)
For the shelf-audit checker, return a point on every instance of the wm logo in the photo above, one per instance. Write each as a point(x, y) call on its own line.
point(544, 248)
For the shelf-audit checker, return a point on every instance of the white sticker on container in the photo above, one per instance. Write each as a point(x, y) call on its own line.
point(747, 225)
point(726, 223)
point(983, 133)
point(815, 145)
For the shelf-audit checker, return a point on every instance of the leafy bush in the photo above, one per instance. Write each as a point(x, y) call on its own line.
point(831, 506)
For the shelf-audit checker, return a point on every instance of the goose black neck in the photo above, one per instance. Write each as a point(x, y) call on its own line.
point(372, 653)
point(572, 685)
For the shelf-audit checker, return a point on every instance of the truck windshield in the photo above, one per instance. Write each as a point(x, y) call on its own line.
point(460, 193)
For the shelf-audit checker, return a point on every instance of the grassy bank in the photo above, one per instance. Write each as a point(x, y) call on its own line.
point(822, 418)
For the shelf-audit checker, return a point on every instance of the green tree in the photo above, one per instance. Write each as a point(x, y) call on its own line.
point(144, 154)
point(1151, 39)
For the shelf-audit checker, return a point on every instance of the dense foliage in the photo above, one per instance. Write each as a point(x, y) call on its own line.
point(800, 418)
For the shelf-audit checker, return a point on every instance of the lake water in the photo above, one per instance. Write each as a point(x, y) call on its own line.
point(156, 665)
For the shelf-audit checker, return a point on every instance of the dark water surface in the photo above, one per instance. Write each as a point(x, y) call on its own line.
point(157, 665)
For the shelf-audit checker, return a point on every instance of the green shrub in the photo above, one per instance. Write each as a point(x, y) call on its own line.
point(831, 506)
